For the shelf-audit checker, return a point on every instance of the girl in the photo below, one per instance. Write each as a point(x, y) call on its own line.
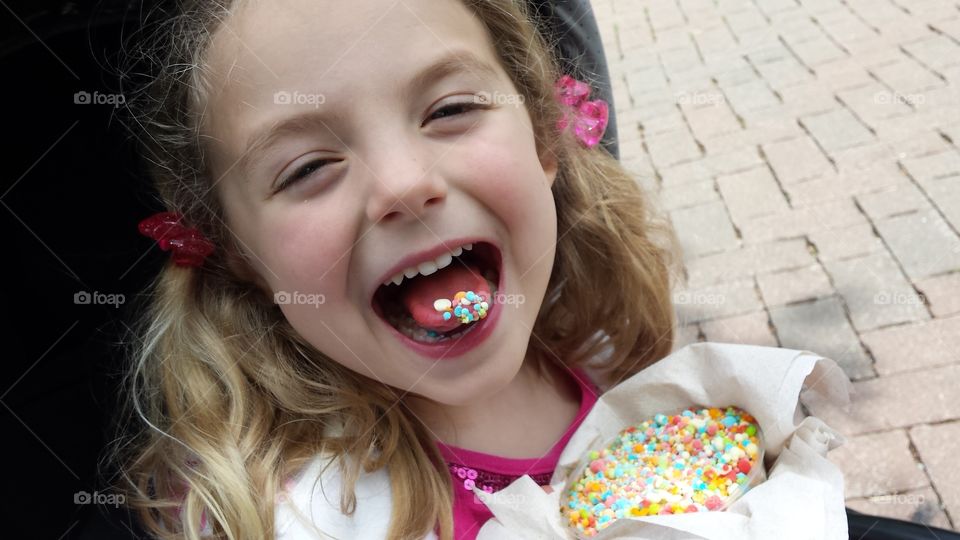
point(336, 169)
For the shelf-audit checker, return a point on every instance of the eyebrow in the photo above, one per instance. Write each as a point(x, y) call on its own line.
point(447, 65)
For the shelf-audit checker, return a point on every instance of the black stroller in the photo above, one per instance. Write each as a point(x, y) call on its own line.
point(73, 187)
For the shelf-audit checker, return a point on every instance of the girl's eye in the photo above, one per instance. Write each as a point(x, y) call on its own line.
point(303, 172)
point(455, 109)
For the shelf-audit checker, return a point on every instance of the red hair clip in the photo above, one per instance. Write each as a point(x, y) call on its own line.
point(188, 245)
point(589, 117)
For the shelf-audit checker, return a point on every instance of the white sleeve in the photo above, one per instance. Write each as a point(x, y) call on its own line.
point(310, 509)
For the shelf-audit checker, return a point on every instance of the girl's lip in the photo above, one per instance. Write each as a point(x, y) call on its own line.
point(459, 346)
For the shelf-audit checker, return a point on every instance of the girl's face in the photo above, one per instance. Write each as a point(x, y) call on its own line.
point(340, 149)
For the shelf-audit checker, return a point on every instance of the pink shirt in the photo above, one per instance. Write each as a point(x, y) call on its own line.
point(492, 473)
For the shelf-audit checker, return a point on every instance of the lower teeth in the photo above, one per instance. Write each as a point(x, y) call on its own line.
point(405, 324)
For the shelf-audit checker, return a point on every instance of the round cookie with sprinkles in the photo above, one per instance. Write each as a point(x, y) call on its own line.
point(699, 460)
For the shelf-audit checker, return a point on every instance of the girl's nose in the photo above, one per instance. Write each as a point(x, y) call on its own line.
point(403, 186)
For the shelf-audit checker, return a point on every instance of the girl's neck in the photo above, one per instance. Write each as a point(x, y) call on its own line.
point(523, 420)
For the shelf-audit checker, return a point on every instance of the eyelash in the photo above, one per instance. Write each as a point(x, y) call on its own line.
point(299, 174)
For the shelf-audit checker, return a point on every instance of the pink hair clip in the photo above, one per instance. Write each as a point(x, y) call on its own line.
point(188, 245)
point(589, 117)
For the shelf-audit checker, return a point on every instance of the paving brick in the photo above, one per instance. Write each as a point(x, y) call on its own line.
point(842, 73)
point(796, 159)
point(878, 464)
point(916, 505)
point(845, 28)
point(744, 20)
point(704, 229)
point(749, 329)
point(664, 15)
point(906, 76)
point(758, 130)
point(758, 39)
point(784, 73)
point(751, 194)
point(770, 7)
point(646, 80)
point(686, 173)
point(805, 100)
point(875, 291)
point(923, 243)
point(817, 51)
point(818, 6)
point(920, 121)
point(935, 166)
point(844, 243)
point(714, 41)
point(821, 326)
point(890, 150)
point(713, 120)
point(899, 199)
point(733, 161)
point(748, 261)
point(772, 53)
point(951, 27)
point(672, 147)
point(936, 52)
point(797, 27)
point(845, 184)
point(679, 59)
point(832, 215)
point(790, 286)
point(875, 13)
point(731, 70)
point(837, 130)
point(873, 102)
point(945, 194)
point(749, 96)
point(896, 401)
point(942, 294)
point(915, 346)
point(717, 301)
point(939, 446)
point(691, 194)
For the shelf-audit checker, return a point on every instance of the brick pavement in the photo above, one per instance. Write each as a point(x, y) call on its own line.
point(808, 154)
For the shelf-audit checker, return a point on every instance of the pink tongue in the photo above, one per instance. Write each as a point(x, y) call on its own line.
point(423, 291)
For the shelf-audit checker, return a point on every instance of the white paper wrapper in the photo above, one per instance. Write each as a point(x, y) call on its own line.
point(803, 494)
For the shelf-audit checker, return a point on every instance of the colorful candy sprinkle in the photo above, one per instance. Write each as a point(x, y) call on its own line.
point(695, 461)
point(467, 306)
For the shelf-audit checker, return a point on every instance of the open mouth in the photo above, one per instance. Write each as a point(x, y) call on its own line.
point(390, 302)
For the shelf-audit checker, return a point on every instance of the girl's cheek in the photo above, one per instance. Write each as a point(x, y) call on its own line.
point(308, 250)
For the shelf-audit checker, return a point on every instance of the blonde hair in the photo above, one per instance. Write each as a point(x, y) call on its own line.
point(227, 400)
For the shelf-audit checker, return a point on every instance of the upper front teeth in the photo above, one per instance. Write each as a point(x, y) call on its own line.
point(428, 267)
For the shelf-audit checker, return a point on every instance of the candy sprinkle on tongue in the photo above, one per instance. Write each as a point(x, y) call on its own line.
point(447, 299)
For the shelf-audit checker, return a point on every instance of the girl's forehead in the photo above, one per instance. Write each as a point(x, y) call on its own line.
point(266, 45)
point(342, 51)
